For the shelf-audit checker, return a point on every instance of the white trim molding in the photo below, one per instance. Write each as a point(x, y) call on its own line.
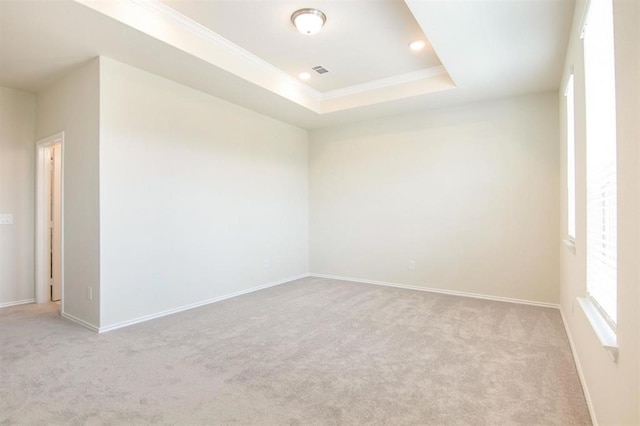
point(42, 209)
point(576, 360)
point(196, 304)
point(166, 24)
point(605, 334)
point(441, 291)
point(410, 77)
point(571, 245)
point(157, 7)
point(81, 322)
point(16, 302)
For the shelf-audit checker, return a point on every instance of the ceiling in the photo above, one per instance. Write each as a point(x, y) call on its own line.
point(374, 49)
point(249, 53)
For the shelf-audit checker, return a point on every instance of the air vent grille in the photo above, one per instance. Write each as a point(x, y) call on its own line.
point(320, 69)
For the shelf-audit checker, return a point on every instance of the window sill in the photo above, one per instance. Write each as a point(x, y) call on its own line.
point(571, 245)
point(605, 334)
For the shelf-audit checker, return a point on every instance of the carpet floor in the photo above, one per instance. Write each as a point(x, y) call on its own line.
point(310, 352)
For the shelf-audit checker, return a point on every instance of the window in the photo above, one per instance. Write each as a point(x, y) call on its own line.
point(601, 160)
point(571, 159)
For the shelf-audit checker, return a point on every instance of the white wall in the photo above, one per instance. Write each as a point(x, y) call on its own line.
point(470, 193)
point(17, 162)
point(72, 105)
point(196, 194)
point(613, 388)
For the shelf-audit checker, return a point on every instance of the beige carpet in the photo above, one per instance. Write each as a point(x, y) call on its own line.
point(310, 352)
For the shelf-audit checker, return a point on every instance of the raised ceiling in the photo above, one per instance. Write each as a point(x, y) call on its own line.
point(374, 49)
point(249, 53)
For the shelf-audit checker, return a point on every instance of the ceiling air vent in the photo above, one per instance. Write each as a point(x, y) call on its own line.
point(320, 69)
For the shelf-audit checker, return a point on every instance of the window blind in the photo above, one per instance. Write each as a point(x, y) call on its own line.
point(571, 159)
point(602, 248)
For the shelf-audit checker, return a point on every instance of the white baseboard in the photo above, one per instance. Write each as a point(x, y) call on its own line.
point(196, 304)
point(442, 291)
point(80, 321)
point(576, 360)
point(16, 302)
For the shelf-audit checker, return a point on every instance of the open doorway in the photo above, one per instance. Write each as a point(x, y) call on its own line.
point(49, 220)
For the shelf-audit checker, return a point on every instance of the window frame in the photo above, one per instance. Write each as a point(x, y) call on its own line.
point(570, 139)
point(600, 171)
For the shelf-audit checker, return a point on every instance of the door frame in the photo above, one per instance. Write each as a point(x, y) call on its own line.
point(43, 182)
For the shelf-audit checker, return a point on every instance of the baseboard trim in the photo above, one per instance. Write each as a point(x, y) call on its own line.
point(196, 304)
point(576, 361)
point(16, 302)
point(80, 321)
point(438, 290)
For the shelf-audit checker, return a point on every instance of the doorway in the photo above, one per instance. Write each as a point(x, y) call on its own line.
point(49, 220)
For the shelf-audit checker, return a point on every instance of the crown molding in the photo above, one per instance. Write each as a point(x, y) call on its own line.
point(166, 24)
point(157, 7)
point(384, 83)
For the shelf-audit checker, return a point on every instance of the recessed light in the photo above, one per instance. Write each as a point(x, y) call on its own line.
point(304, 76)
point(417, 45)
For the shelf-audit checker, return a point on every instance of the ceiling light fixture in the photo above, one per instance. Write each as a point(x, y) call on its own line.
point(304, 76)
point(417, 45)
point(308, 21)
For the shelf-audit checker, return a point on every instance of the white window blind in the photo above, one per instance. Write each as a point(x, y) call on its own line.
point(601, 159)
point(571, 159)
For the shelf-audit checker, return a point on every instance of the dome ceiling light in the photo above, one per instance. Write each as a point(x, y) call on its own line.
point(308, 21)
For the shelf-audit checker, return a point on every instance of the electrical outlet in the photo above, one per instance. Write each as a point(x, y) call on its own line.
point(266, 264)
point(6, 219)
point(89, 293)
point(412, 265)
